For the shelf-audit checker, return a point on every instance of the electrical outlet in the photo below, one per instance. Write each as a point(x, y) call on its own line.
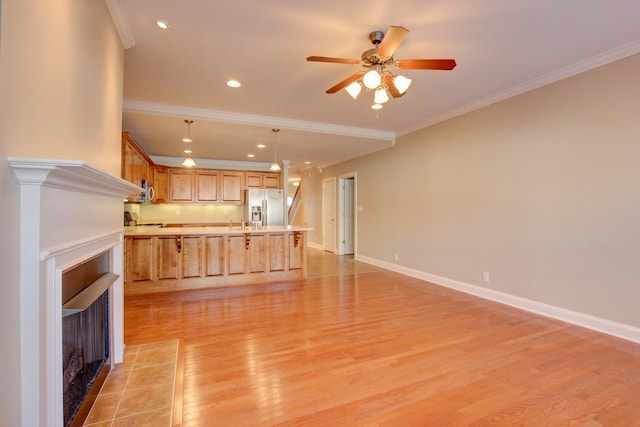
point(485, 277)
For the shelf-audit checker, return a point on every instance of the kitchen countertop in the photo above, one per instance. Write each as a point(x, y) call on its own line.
point(146, 230)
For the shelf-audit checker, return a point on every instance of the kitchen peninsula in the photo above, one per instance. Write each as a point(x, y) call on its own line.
point(174, 258)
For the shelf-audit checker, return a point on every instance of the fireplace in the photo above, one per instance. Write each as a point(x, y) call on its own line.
point(85, 335)
point(52, 244)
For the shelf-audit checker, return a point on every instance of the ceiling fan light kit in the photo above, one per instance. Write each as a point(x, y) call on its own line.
point(377, 78)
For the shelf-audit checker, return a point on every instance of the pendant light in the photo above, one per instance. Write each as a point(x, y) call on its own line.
point(275, 166)
point(188, 161)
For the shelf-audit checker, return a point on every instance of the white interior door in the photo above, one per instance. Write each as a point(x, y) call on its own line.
point(329, 214)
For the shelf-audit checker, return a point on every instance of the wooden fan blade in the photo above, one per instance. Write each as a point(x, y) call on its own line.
point(391, 88)
point(346, 82)
point(336, 60)
point(426, 64)
point(394, 37)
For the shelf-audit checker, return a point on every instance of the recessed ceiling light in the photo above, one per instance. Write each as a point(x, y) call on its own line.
point(250, 155)
point(234, 83)
point(162, 24)
point(188, 151)
point(261, 146)
point(307, 163)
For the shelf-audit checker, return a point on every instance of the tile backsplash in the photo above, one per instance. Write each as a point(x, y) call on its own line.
point(149, 213)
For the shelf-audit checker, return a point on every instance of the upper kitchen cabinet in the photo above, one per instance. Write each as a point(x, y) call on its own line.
point(160, 184)
point(205, 186)
point(136, 165)
point(262, 180)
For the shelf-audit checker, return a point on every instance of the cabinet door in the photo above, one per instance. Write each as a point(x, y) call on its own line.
point(296, 250)
point(253, 180)
point(231, 188)
point(167, 249)
point(207, 187)
point(214, 256)
point(138, 259)
point(191, 256)
point(271, 180)
point(160, 184)
point(276, 252)
point(236, 254)
point(257, 253)
point(180, 186)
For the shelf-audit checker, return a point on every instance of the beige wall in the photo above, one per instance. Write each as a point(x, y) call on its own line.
point(542, 191)
point(61, 65)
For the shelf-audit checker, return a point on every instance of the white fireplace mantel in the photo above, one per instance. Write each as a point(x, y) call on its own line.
point(69, 212)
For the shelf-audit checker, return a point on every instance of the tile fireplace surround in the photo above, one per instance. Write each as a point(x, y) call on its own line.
point(69, 212)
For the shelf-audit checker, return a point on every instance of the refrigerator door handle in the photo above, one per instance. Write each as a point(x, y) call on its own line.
point(264, 212)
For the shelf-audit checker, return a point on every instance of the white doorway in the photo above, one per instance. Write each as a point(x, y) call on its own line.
point(346, 214)
point(329, 214)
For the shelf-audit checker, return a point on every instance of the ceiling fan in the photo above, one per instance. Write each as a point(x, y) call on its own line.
point(375, 75)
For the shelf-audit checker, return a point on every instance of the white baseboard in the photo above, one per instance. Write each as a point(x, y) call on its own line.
point(620, 330)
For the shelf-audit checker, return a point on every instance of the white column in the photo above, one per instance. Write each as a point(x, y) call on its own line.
point(285, 187)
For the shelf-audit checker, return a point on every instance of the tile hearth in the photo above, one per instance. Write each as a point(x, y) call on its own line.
point(141, 390)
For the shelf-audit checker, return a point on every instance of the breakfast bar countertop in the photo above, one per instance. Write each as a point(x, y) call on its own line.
point(158, 230)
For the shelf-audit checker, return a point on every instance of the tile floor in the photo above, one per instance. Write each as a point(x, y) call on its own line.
point(140, 391)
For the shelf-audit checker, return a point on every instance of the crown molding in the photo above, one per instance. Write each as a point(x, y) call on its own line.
point(121, 23)
point(212, 163)
point(131, 106)
point(599, 60)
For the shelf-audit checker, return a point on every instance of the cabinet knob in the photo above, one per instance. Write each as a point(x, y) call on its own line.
point(179, 244)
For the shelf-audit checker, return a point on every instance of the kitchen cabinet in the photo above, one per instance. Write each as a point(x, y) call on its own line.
point(138, 258)
point(231, 188)
point(181, 186)
point(236, 250)
point(205, 186)
point(297, 250)
point(191, 256)
point(136, 165)
point(271, 180)
point(167, 250)
point(256, 253)
point(160, 184)
point(277, 243)
point(214, 256)
point(188, 259)
point(262, 180)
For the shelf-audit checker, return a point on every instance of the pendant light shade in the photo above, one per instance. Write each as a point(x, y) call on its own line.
point(275, 166)
point(188, 161)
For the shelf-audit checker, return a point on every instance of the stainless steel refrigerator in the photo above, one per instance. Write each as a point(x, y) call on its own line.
point(264, 207)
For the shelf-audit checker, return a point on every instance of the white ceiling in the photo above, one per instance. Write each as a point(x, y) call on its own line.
point(502, 48)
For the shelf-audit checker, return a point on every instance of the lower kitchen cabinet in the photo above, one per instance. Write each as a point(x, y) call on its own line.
point(256, 251)
point(191, 261)
point(138, 259)
point(214, 255)
point(214, 259)
point(167, 249)
point(236, 254)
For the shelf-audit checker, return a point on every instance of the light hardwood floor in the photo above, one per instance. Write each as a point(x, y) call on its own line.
point(376, 348)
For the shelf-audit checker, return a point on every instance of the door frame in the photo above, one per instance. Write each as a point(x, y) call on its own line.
point(340, 226)
point(333, 181)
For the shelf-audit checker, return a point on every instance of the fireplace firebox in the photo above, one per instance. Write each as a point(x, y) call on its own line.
point(85, 335)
